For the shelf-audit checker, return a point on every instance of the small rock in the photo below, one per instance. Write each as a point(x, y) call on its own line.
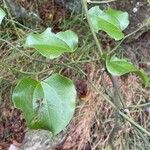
point(41, 140)
point(37, 140)
point(12, 147)
point(73, 5)
point(135, 9)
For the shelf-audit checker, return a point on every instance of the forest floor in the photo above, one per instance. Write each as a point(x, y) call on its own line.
point(94, 120)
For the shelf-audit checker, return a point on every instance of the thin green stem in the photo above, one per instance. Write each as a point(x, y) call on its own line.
point(46, 62)
point(21, 25)
point(91, 26)
point(134, 123)
point(100, 2)
point(128, 35)
point(8, 67)
point(11, 18)
point(139, 106)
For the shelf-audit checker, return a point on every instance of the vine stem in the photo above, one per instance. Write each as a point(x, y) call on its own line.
point(84, 2)
point(134, 123)
point(128, 35)
point(11, 18)
point(100, 2)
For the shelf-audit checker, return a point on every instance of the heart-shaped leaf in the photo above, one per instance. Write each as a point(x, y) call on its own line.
point(118, 67)
point(111, 21)
point(53, 45)
point(2, 15)
point(48, 104)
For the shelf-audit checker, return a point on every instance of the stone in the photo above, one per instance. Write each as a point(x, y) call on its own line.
point(41, 140)
point(37, 140)
point(21, 14)
point(73, 5)
point(12, 147)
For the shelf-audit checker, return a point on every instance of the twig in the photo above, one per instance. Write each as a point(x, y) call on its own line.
point(11, 18)
point(8, 67)
point(139, 105)
point(128, 35)
point(21, 25)
point(100, 2)
point(66, 64)
point(117, 98)
point(113, 132)
point(134, 123)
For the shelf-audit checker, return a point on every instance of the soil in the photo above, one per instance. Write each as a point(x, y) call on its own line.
point(12, 126)
point(138, 50)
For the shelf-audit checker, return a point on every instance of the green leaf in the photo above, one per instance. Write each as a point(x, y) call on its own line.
point(50, 103)
point(53, 45)
point(22, 97)
point(2, 15)
point(122, 17)
point(119, 67)
point(111, 21)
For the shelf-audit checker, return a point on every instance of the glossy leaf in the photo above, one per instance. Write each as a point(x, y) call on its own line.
point(111, 21)
point(50, 103)
point(2, 15)
point(52, 45)
point(22, 97)
point(122, 17)
point(118, 67)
